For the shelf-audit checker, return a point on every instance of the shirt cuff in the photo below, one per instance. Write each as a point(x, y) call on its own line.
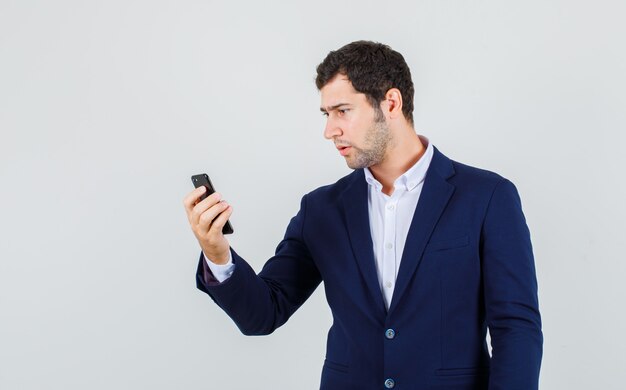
point(221, 272)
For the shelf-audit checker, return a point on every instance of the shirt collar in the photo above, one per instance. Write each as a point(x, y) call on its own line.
point(413, 176)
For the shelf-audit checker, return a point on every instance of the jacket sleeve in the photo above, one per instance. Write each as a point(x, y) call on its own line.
point(258, 304)
point(510, 288)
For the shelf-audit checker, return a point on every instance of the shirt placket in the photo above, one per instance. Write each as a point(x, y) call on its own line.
point(389, 242)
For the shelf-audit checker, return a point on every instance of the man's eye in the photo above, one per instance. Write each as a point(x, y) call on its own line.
point(343, 111)
point(325, 113)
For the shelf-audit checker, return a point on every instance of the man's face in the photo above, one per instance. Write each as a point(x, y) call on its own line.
point(359, 131)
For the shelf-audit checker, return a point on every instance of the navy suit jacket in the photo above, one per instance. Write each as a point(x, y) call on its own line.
point(467, 266)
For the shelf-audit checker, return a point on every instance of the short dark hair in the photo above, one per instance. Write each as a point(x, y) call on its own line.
point(373, 69)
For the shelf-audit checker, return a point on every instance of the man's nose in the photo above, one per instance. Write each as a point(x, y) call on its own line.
point(331, 130)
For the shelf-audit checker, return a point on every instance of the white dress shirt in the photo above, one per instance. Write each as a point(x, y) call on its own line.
point(390, 218)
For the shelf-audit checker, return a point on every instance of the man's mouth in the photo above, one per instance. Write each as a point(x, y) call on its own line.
point(343, 149)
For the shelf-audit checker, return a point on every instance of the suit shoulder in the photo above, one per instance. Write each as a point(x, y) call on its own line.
point(476, 176)
point(480, 183)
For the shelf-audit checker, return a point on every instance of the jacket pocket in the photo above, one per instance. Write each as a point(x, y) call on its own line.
point(472, 378)
point(447, 244)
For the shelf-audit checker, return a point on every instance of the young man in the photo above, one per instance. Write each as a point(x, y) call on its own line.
point(419, 254)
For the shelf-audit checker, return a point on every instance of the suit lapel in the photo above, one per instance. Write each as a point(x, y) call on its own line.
point(357, 221)
point(435, 195)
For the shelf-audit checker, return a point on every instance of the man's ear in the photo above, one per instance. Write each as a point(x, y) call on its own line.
point(393, 107)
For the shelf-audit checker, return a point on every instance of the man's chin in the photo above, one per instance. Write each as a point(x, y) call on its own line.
point(355, 165)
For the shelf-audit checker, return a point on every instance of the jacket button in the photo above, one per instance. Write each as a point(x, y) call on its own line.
point(390, 384)
point(390, 334)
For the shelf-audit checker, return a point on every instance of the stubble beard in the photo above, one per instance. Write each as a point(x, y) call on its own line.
point(377, 140)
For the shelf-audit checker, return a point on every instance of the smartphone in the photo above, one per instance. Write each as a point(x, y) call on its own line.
point(203, 180)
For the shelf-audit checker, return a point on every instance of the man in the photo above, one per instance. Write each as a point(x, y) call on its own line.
point(419, 254)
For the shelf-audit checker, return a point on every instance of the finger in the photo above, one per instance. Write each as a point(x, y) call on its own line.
point(220, 221)
point(211, 199)
point(202, 206)
point(208, 217)
point(191, 198)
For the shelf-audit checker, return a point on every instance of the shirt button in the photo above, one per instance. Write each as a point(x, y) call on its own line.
point(388, 284)
point(390, 334)
point(390, 207)
point(390, 383)
point(389, 245)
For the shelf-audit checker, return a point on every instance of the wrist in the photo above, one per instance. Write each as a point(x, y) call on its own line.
point(218, 259)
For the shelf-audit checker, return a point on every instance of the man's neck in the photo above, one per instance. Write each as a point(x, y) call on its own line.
point(402, 154)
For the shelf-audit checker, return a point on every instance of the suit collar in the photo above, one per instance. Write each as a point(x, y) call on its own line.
point(433, 200)
point(354, 200)
point(441, 164)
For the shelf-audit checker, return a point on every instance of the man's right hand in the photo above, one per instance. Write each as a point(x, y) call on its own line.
point(207, 218)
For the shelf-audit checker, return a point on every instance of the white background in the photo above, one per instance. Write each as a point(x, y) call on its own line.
point(107, 108)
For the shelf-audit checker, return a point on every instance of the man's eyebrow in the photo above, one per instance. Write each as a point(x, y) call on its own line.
point(336, 106)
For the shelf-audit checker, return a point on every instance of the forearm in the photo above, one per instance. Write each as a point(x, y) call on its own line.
point(261, 303)
point(517, 347)
point(244, 296)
